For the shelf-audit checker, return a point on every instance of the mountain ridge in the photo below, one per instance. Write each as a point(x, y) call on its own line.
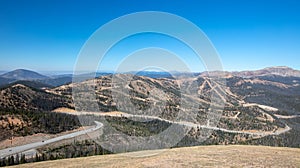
point(23, 74)
point(275, 70)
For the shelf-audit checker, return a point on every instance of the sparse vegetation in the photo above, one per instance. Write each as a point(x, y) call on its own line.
point(204, 156)
point(25, 111)
point(22, 123)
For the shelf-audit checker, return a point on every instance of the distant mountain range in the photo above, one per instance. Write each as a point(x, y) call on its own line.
point(58, 80)
point(270, 71)
point(275, 86)
point(279, 71)
point(23, 74)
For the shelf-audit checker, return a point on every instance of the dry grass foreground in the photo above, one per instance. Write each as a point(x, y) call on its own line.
point(200, 156)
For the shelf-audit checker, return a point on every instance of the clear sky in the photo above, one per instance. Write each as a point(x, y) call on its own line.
point(47, 35)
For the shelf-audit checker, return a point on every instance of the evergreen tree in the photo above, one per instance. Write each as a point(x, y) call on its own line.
point(37, 157)
point(23, 159)
point(17, 159)
point(12, 160)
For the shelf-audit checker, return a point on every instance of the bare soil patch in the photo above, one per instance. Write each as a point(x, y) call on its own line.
point(200, 156)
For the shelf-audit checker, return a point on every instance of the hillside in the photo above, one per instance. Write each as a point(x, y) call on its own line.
point(252, 114)
point(32, 84)
point(56, 81)
point(23, 123)
point(5, 81)
point(275, 91)
point(200, 156)
point(21, 97)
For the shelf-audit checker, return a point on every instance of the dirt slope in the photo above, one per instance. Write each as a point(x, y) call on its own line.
point(200, 156)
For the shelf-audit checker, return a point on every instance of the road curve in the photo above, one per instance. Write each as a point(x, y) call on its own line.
point(18, 149)
point(190, 124)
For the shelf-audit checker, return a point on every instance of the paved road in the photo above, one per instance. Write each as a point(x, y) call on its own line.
point(18, 149)
point(189, 124)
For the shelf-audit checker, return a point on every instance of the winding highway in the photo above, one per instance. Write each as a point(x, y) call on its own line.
point(32, 146)
point(193, 125)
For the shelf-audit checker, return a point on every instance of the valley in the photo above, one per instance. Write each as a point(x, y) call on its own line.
point(248, 108)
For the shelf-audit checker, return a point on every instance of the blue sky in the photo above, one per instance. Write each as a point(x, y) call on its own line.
point(48, 35)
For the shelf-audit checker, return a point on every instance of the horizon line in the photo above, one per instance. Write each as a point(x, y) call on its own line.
point(62, 72)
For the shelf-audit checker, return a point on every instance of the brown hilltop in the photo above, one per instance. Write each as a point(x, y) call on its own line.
point(22, 97)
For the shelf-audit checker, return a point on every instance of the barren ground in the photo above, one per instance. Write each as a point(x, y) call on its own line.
point(200, 156)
